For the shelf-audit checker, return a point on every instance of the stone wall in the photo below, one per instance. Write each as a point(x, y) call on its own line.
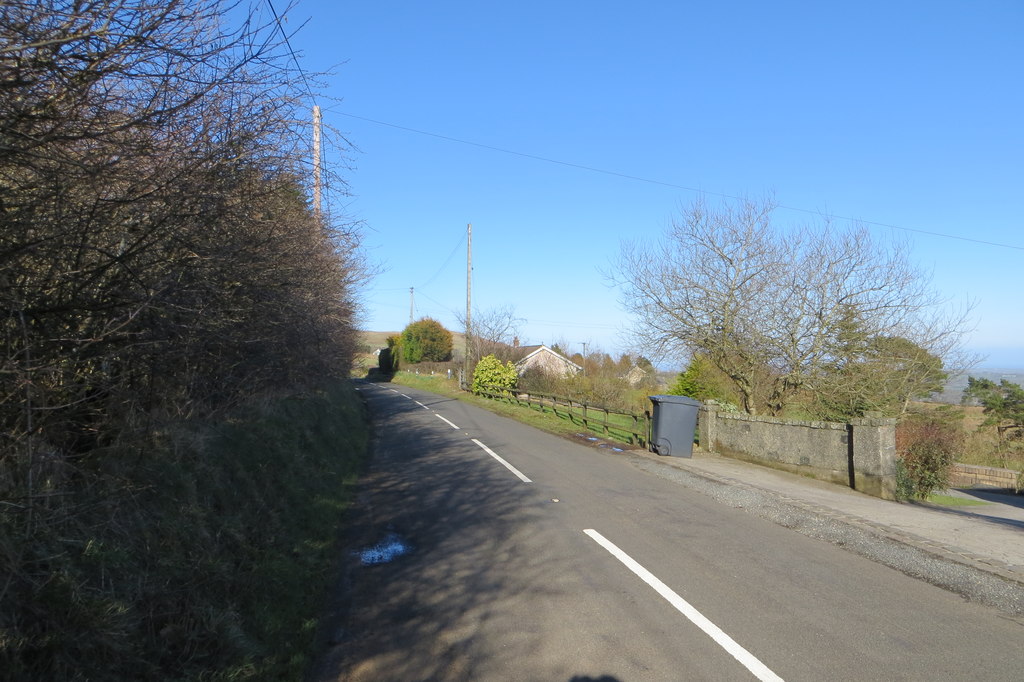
point(970, 475)
point(861, 454)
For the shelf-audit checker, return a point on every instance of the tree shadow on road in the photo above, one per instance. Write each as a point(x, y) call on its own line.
point(451, 607)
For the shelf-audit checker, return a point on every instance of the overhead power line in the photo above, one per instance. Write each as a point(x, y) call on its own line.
point(443, 305)
point(462, 240)
point(323, 182)
point(288, 44)
point(662, 183)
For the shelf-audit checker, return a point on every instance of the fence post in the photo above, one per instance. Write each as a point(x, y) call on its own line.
point(639, 436)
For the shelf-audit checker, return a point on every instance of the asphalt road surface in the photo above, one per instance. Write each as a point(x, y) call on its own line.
point(499, 552)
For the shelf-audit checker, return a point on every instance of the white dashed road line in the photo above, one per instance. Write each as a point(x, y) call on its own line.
point(759, 669)
point(508, 466)
point(492, 453)
point(748, 660)
point(446, 421)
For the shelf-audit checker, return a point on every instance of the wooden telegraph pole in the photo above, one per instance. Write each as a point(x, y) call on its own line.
point(469, 296)
point(316, 160)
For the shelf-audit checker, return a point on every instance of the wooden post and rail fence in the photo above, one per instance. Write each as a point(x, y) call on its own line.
point(861, 454)
point(629, 427)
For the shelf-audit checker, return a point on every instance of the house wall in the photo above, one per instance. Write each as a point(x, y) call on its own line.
point(861, 454)
point(548, 363)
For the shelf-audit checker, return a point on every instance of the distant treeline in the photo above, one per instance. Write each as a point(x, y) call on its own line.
point(953, 391)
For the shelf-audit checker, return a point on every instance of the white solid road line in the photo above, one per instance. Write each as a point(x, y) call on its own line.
point(508, 466)
point(759, 669)
point(446, 421)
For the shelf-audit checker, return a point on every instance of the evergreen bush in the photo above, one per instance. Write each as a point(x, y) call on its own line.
point(426, 340)
point(491, 374)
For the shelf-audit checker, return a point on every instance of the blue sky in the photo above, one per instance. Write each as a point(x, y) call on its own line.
point(905, 114)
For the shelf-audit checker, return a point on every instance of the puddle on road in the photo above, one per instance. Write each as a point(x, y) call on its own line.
point(600, 443)
point(388, 549)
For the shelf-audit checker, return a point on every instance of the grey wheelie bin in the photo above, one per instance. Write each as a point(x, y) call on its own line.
point(673, 424)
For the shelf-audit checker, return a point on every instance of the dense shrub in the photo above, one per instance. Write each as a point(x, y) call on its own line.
point(491, 374)
point(208, 559)
point(703, 381)
point(160, 266)
point(388, 360)
point(426, 340)
point(927, 446)
point(536, 380)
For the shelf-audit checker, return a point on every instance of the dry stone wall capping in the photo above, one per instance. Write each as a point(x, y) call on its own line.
point(971, 475)
point(861, 454)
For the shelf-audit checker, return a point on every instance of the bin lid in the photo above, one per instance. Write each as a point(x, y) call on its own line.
point(681, 399)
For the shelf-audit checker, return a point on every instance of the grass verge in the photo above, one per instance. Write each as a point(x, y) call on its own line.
point(563, 423)
point(205, 555)
point(951, 501)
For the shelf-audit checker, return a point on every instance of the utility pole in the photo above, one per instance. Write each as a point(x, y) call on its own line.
point(469, 297)
point(410, 304)
point(316, 160)
point(584, 357)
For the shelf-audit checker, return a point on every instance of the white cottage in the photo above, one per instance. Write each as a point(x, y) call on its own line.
point(546, 360)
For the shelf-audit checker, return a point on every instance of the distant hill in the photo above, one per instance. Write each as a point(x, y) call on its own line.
point(371, 341)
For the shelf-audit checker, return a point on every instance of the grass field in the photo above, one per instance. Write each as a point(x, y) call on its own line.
point(370, 342)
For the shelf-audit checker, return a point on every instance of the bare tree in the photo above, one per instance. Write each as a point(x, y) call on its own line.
point(495, 332)
point(779, 311)
point(155, 226)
